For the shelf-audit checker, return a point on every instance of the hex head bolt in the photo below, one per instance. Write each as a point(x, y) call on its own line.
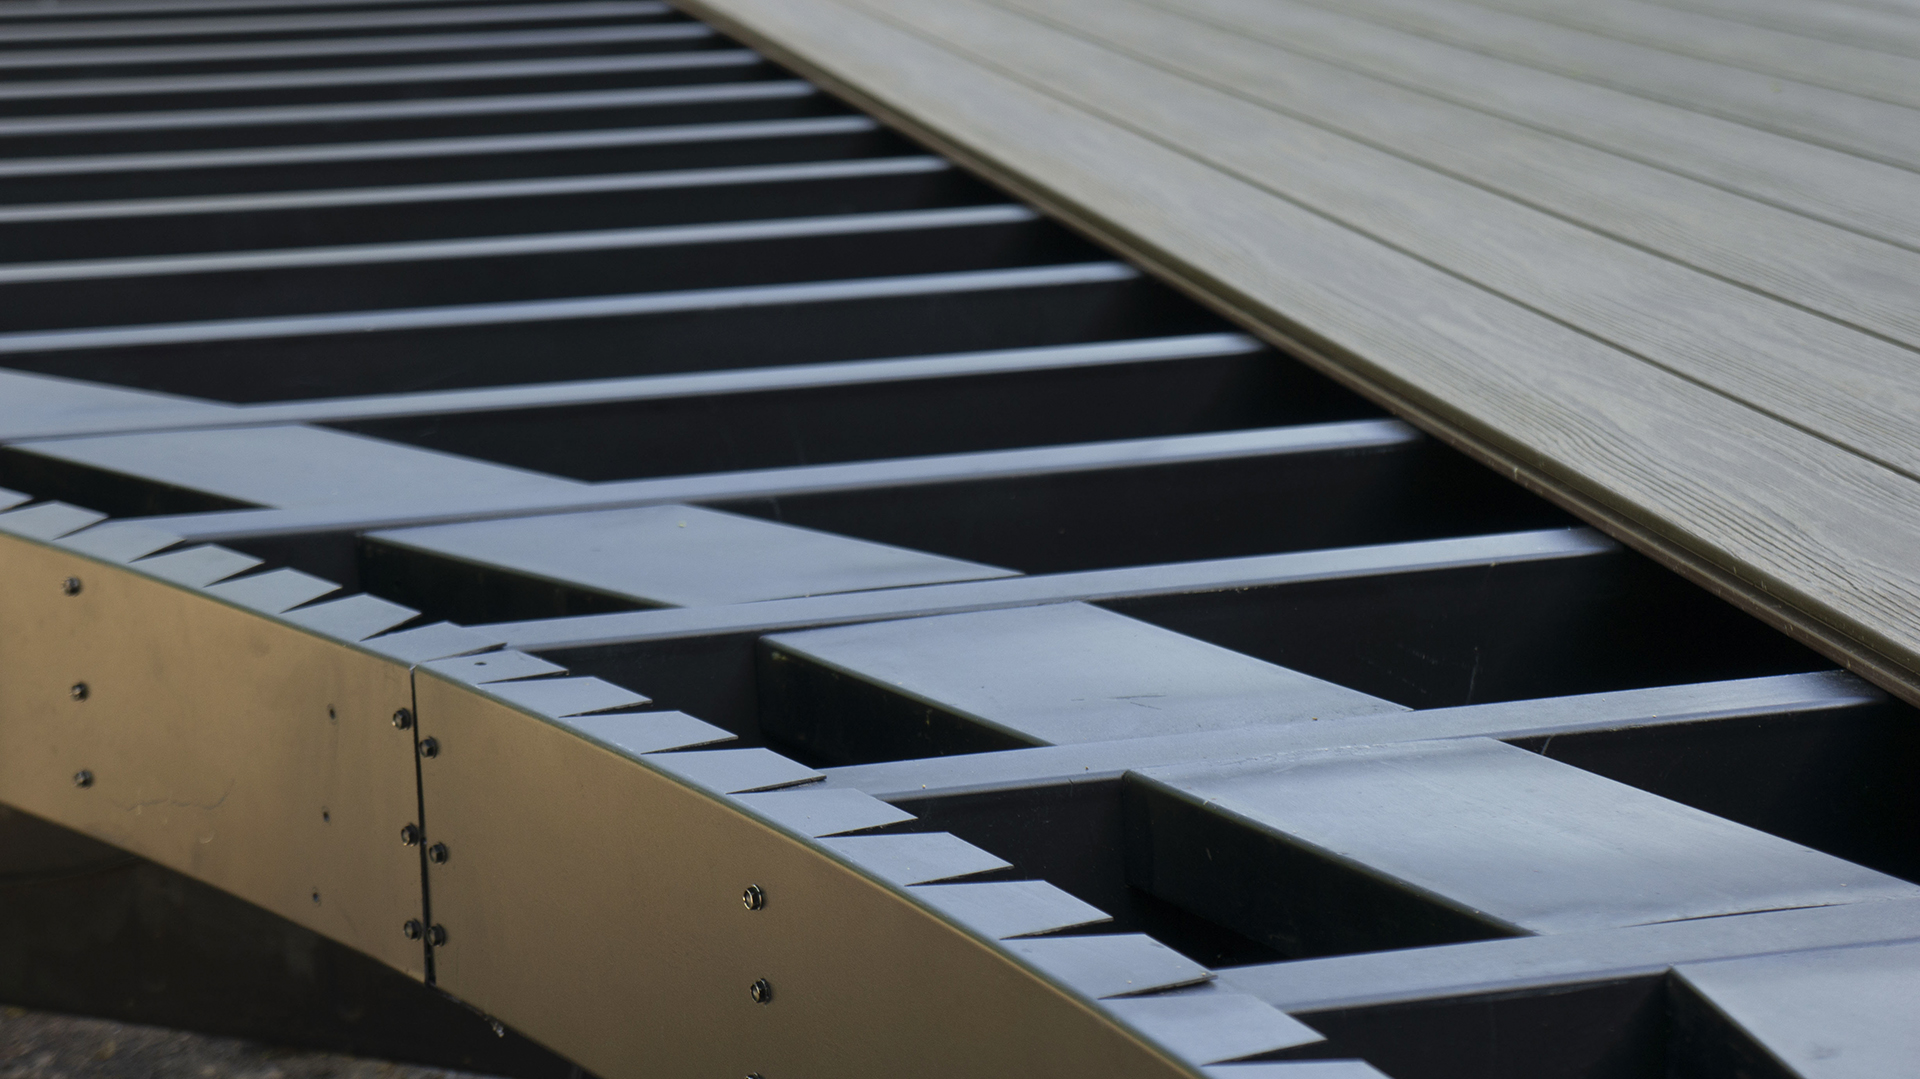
point(402, 718)
point(409, 835)
point(429, 747)
point(70, 586)
point(761, 991)
point(411, 929)
point(753, 898)
point(437, 854)
point(79, 691)
point(83, 779)
point(437, 935)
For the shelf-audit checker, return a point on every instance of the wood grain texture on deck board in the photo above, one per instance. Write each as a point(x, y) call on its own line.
point(1834, 118)
point(1843, 189)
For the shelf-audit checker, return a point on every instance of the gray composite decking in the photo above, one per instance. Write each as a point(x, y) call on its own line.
point(1659, 261)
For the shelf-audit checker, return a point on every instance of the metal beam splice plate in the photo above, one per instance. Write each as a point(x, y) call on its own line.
point(222, 743)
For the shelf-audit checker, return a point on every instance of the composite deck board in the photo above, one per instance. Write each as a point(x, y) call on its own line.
point(1706, 330)
point(1843, 121)
point(1836, 187)
point(1844, 276)
point(1867, 71)
point(1540, 343)
point(1848, 24)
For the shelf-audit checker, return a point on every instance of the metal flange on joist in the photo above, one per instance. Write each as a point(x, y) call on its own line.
point(603, 879)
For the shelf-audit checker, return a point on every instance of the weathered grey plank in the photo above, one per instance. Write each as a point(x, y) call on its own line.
point(1839, 188)
point(1865, 71)
point(1801, 530)
point(1777, 358)
point(1848, 24)
point(1875, 129)
point(1846, 276)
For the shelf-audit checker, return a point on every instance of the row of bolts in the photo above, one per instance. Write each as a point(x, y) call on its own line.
point(761, 991)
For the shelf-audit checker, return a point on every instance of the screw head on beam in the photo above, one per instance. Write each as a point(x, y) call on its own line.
point(402, 718)
point(79, 691)
point(70, 586)
point(437, 935)
point(409, 835)
point(410, 929)
point(437, 854)
point(761, 991)
point(753, 898)
point(83, 779)
point(429, 747)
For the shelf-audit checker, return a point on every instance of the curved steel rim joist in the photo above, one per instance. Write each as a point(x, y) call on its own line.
point(624, 905)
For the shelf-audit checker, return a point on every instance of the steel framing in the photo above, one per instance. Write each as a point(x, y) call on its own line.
point(609, 532)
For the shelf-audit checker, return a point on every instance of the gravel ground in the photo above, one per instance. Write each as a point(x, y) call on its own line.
point(38, 1045)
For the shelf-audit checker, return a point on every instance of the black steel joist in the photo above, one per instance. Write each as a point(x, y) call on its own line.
point(620, 380)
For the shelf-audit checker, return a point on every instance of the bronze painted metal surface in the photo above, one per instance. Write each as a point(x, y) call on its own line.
point(595, 902)
point(226, 744)
point(587, 896)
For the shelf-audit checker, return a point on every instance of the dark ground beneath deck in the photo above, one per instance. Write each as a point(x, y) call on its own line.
point(42, 1045)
